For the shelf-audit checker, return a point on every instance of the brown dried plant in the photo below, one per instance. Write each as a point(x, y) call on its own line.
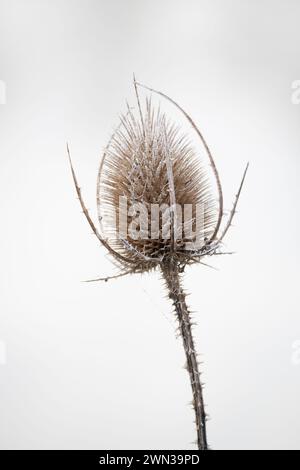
point(151, 163)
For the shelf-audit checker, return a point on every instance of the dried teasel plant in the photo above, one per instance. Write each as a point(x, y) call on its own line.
point(150, 163)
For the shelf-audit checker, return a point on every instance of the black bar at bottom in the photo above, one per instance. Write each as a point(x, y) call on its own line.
point(122, 459)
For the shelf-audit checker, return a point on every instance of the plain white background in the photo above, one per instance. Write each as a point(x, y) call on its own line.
point(98, 366)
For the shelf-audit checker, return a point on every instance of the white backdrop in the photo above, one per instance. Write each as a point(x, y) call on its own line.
point(97, 366)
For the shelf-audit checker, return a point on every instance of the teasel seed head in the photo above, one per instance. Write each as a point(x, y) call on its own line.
point(152, 165)
point(154, 183)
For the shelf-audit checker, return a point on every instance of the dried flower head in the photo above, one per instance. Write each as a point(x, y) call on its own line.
point(157, 209)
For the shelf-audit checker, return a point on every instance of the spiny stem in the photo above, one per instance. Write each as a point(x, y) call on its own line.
point(171, 275)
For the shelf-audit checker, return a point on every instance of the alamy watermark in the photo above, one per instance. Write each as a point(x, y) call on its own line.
point(148, 221)
point(2, 353)
point(296, 353)
point(2, 92)
point(295, 97)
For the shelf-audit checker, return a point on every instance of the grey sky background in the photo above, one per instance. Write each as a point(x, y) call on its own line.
point(97, 366)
